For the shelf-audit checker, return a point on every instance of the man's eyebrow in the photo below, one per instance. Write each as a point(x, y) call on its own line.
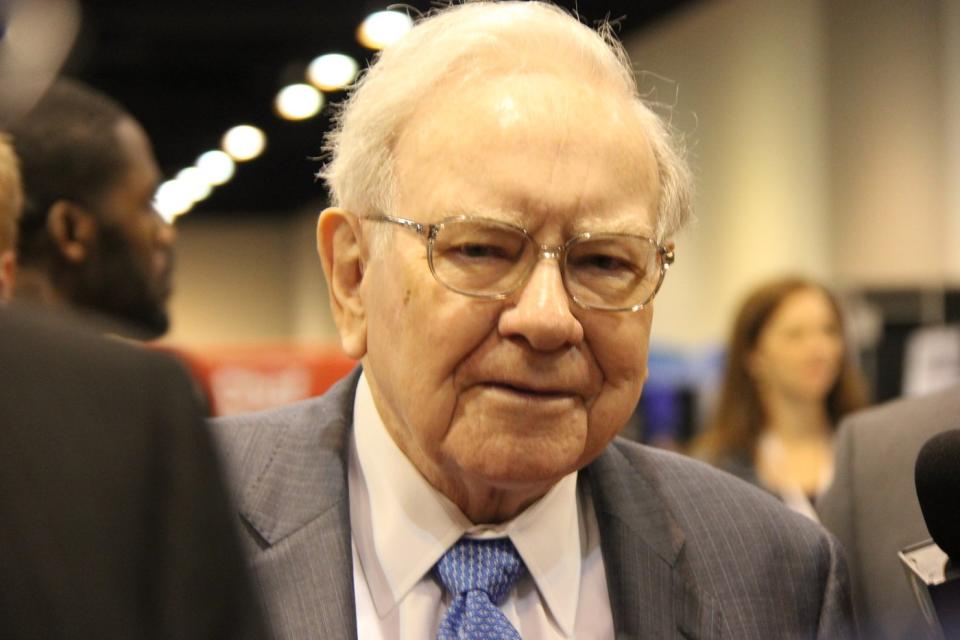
point(633, 224)
point(492, 213)
point(627, 223)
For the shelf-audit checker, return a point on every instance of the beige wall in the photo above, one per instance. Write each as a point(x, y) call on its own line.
point(311, 320)
point(825, 137)
point(248, 280)
point(749, 77)
point(951, 75)
point(887, 126)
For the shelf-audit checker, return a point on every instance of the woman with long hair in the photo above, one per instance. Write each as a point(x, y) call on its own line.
point(789, 379)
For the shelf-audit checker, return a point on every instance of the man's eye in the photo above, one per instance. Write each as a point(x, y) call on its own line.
point(478, 251)
point(603, 262)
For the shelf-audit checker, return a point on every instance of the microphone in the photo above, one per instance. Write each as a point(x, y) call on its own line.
point(937, 476)
point(931, 565)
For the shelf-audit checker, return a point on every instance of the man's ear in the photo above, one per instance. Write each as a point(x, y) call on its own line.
point(72, 230)
point(342, 254)
point(8, 274)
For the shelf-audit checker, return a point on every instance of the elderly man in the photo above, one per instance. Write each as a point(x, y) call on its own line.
point(503, 203)
point(11, 200)
point(89, 237)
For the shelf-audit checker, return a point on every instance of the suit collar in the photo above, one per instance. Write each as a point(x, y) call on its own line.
point(296, 502)
point(304, 474)
point(652, 592)
point(624, 490)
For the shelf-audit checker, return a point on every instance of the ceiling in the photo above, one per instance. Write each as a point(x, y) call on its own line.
point(191, 69)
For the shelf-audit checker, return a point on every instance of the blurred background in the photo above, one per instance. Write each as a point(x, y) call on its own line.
point(825, 138)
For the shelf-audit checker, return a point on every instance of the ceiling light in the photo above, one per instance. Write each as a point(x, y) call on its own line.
point(298, 102)
point(195, 183)
point(383, 28)
point(216, 166)
point(172, 200)
point(244, 142)
point(332, 71)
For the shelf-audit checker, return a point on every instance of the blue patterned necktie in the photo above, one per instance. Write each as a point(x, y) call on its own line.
point(478, 574)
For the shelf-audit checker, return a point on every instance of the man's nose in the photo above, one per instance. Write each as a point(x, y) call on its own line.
point(541, 313)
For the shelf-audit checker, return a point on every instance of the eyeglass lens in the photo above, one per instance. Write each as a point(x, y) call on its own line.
point(484, 258)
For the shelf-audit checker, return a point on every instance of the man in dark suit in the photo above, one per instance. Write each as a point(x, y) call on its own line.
point(872, 506)
point(113, 519)
point(503, 208)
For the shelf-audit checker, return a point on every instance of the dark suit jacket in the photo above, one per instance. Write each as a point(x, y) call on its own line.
point(114, 522)
point(689, 551)
point(872, 506)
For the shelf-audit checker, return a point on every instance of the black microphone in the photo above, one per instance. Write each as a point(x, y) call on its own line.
point(932, 565)
point(937, 476)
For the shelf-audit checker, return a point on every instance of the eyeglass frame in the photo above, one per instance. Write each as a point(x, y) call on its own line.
point(556, 252)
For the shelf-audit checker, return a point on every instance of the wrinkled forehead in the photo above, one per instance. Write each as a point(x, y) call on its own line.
point(528, 143)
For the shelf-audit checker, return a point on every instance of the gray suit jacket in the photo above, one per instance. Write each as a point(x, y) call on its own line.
point(689, 551)
point(872, 505)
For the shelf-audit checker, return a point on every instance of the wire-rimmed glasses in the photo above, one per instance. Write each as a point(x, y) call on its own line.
point(485, 258)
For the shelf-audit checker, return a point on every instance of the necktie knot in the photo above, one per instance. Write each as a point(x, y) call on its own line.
point(478, 574)
point(491, 566)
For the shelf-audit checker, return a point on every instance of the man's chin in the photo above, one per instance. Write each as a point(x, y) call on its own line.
point(148, 317)
point(142, 324)
point(145, 321)
point(114, 286)
point(153, 325)
point(519, 467)
point(130, 326)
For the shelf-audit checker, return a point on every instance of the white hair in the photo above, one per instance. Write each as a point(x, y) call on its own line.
point(460, 43)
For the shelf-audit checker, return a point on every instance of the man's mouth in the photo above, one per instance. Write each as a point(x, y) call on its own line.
point(530, 391)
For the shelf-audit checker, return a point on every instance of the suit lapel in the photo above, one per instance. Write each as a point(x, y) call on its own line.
point(652, 594)
point(298, 507)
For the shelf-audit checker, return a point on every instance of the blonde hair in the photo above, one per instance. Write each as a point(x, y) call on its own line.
point(461, 43)
point(11, 195)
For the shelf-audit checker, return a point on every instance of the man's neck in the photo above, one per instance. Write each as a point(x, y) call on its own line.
point(488, 505)
point(480, 501)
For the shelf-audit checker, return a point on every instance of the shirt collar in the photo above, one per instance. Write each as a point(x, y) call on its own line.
point(401, 525)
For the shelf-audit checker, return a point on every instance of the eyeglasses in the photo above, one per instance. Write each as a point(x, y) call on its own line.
point(491, 259)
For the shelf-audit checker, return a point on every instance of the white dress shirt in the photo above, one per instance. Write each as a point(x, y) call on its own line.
point(401, 525)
